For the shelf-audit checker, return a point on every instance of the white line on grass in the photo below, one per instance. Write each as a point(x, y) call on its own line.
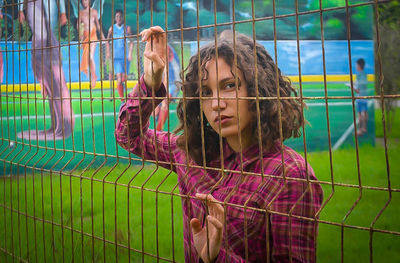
point(344, 136)
point(313, 104)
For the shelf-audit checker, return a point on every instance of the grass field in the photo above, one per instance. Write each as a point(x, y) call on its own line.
point(71, 201)
point(82, 214)
point(395, 130)
point(82, 203)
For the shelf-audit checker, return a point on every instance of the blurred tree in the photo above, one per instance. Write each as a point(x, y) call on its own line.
point(314, 4)
point(22, 32)
point(360, 19)
point(310, 27)
point(172, 11)
point(387, 58)
point(262, 8)
point(129, 8)
point(334, 21)
point(334, 28)
point(67, 33)
point(6, 25)
point(362, 23)
point(289, 6)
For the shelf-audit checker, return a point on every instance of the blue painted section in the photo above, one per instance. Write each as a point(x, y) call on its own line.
point(336, 56)
point(18, 64)
point(17, 59)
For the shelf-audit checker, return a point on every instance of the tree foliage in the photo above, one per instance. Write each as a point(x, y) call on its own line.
point(157, 12)
point(387, 56)
point(66, 33)
point(334, 21)
point(21, 32)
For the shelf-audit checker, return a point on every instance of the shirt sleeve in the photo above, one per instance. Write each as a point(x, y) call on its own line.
point(294, 226)
point(145, 142)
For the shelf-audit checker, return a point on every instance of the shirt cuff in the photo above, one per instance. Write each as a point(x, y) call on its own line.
point(161, 92)
point(142, 91)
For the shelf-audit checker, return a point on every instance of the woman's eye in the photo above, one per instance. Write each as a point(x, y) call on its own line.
point(205, 92)
point(230, 86)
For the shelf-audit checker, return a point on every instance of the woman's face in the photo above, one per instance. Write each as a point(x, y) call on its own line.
point(223, 114)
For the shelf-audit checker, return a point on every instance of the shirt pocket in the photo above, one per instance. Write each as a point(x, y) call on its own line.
point(244, 207)
point(244, 223)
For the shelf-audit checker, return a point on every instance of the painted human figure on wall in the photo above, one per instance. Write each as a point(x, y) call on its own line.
point(162, 110)
point(88, 25)
point(55, 13)
point(121, 54)
point(47, 68)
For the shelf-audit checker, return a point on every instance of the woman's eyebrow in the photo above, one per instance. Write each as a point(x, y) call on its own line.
point(204, 82)
point(226, 79)
point(222, 81)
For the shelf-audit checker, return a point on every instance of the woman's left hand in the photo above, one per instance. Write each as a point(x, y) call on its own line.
point(154, 55)
point(208, 251)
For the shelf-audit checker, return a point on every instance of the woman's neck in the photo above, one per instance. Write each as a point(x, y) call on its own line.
point(245, 141)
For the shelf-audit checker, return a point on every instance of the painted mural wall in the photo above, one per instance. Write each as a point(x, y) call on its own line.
point(69, 37)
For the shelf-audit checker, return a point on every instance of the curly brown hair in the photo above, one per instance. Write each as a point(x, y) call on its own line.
point(290, 107)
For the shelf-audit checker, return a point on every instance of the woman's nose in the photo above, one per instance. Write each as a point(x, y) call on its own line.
point(218, 104)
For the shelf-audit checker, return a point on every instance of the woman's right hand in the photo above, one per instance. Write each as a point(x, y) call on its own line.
point(154, 56)
point(208, 239)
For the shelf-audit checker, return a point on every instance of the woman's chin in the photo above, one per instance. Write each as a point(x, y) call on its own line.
point(229, 133)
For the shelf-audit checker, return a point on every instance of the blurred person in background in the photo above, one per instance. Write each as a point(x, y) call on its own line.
point(121, 54)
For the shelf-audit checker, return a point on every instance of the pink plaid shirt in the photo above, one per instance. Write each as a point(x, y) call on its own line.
point(273, 215)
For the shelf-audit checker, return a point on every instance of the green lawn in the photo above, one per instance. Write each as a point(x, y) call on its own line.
point(94, 208)
point(154, 213)
point(394, 132)
point(48, 217)
point(373, 173)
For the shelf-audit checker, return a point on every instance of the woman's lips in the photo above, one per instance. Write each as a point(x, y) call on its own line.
point(223, 119)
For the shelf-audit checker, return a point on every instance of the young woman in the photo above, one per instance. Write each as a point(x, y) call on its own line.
point(246, 196)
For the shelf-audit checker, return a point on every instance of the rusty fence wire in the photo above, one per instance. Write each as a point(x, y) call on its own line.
point(69, 192)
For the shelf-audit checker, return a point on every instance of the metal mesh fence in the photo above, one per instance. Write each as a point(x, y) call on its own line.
point(97, 165)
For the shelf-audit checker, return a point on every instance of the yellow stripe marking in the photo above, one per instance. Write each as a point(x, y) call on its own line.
point(74, 86)
point(329, 78)
point(131, 83)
